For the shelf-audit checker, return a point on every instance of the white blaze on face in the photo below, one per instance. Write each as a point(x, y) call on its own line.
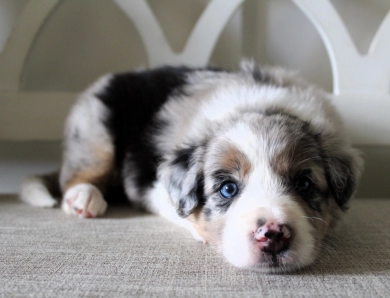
point(262, 198)
point(244, 139)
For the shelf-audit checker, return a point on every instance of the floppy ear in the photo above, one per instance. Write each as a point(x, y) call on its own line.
point(343, 166)
point(182, 175)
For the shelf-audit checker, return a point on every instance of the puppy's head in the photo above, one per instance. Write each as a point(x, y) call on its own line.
point(263, 188)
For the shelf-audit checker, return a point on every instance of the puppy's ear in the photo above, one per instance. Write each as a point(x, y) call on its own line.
point(182, 175)
point(343, 166)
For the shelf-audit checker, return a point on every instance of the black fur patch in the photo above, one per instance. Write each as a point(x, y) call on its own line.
point(343, 188)
point(341, 170)
point(183, 157)
point(133, 100)
point(262, 76)
point(195, 198)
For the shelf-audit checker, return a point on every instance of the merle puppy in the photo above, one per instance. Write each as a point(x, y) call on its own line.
point(253, 162)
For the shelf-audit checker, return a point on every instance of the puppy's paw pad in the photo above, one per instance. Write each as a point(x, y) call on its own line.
point(84, 200)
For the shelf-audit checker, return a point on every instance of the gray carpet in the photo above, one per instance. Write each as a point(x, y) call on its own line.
point(45, 253)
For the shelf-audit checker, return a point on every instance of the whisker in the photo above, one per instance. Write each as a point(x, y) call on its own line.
point(328, 249)
point(331, 235)
point(293, 252)
point(290, 258)
point(331, 242)
point(292, 157)
point(320, 219)
point(305, 160)
point(302, 153)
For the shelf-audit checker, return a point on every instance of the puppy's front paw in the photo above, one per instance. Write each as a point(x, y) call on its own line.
point(84, 200)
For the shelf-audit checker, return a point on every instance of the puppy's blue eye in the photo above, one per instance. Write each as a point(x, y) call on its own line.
point(229, 190)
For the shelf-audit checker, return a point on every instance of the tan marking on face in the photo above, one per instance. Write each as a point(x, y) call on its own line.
point(98, 173)
point(294, 157)
point(234, 160)
point(209, 230)
point(199, 223)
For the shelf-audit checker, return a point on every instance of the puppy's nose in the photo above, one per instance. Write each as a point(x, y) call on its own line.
point(273, 237)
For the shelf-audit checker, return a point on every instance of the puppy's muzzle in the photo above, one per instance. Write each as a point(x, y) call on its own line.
point(272, 237)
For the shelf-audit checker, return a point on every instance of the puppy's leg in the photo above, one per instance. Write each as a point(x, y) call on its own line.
point(88, 155)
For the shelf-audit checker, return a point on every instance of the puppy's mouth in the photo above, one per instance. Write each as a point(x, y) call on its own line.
point(281, 262)
point(274, 264)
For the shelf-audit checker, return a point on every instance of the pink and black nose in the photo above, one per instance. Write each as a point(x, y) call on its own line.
point(273, 237)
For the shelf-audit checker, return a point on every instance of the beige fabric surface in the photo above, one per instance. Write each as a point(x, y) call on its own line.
point(45, 253)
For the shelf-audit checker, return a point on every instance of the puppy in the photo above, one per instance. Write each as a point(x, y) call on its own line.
point(253, 162)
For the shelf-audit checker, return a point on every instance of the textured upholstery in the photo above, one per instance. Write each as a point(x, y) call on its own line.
point(46, 253)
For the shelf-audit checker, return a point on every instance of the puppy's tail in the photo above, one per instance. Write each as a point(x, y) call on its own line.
point(41, 190)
